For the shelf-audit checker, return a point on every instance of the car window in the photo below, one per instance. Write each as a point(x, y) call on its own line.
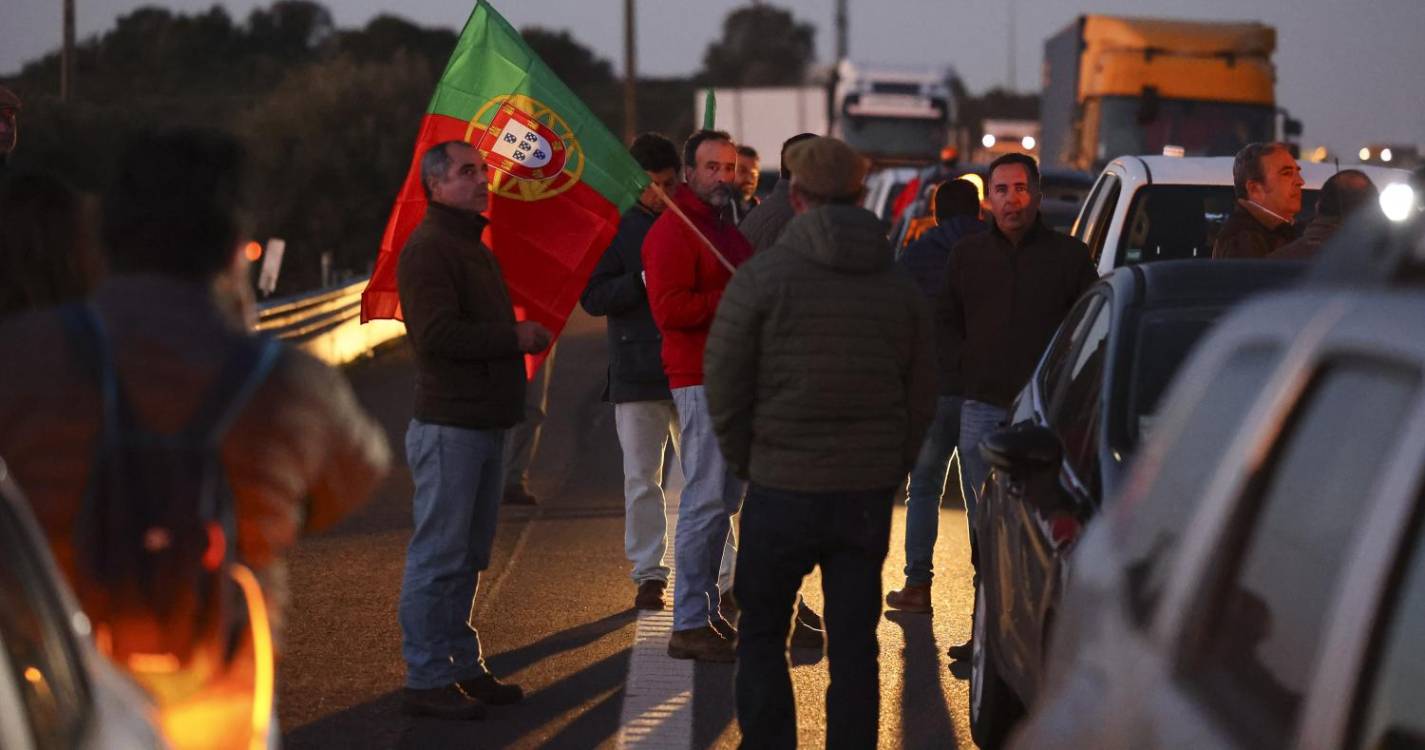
point(1162, 343)
point(1254, 649)
point(1100, 214)
point(1176, 222)
point(1071, 331)
point(44, 666)
point(1148, 523)
point(1074, 409)
point(1392, 707)
point(1091, 203)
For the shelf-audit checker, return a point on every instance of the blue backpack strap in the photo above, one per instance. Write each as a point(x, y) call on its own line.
point(90, 339)
point(239, 378)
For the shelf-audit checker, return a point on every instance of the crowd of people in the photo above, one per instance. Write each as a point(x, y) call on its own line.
point(799, 369)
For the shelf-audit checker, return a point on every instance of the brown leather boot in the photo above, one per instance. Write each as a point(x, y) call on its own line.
point(701, 644)
point(912, 598)
point(650, 594)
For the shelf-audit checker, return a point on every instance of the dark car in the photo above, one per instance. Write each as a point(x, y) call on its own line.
point(1072, 430)
point(1260, 580)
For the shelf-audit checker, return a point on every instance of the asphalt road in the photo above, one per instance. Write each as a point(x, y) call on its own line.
point(555, 608)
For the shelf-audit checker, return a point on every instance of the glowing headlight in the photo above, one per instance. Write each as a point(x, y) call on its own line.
point(1397, 201)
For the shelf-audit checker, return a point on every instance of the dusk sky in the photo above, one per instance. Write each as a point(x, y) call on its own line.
point(1351, 71)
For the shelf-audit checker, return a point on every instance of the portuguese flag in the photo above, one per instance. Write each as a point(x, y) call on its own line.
point(559, 180)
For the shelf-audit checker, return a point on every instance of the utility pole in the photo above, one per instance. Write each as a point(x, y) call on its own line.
point(630, 73)
point(66, 62)
point(841, 44)
point(1013, 77)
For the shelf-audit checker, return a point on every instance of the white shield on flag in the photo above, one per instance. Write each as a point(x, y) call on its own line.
point(522, 145)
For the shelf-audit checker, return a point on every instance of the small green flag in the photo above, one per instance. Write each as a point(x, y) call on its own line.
point(709, 110)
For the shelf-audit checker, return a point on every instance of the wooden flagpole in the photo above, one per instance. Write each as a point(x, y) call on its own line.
point(668, 201)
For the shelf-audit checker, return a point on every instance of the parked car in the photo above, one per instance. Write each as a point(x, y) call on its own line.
point(1072, 431)
point(1147, 208)
point(1260, 580)
point(56, 690)
point(883, 187)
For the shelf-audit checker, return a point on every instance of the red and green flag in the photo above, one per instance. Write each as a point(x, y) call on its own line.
point(559, 180)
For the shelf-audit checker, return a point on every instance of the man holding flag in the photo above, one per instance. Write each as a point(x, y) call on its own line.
point(502, 137)
point(688, 258)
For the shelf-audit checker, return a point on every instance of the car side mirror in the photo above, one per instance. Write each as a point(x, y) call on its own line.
point(1022, 449)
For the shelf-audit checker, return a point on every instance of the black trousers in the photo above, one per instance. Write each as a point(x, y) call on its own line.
point(784, 535)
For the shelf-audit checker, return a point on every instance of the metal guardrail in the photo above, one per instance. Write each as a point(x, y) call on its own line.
point(327, 323)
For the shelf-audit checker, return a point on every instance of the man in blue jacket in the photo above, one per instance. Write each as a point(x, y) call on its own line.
point(956, 207)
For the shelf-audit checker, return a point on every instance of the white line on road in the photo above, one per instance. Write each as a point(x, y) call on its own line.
point(658, 697)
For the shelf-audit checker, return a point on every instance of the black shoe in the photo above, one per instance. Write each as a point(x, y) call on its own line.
point(449, 702)
point(962, 652)
point(808, 615)
point(650, 594)
point(487, 689)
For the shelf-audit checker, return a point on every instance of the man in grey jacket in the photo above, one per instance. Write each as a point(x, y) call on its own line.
point(766, 221)
point(820, 378)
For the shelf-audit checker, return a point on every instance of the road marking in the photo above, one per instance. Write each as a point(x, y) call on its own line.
point(658, 696)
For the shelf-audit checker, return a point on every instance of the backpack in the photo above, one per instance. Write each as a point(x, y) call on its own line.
point(156, 534)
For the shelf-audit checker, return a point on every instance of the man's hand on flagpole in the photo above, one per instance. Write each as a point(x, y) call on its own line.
point(531, 337)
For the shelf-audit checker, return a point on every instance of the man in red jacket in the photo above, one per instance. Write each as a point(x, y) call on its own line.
point(685, 279)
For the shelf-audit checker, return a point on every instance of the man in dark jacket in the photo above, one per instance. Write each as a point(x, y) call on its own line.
point(1341, 195)
point(470, 389)
point(762, 225)
point(956, 208)
point(644, 414)
point(820, 384)
point(1267, 181)
point(1006, 291)
point(9, 125)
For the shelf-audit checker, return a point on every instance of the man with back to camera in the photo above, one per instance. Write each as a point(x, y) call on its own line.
point(470, 389)
point(956, 207)
point(1341, 195)
point(1006, 291)
point(762, 226)
point(820, 383)
point(1267, 182)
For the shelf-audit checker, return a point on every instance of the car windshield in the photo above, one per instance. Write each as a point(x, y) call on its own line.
point(1180, 222)
point(1164, 339)
point(903, 137)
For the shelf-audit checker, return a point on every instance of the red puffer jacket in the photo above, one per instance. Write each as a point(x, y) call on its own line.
point(685, 281)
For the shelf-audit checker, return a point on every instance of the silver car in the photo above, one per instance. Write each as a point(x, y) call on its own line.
point(56, 690)
point(1260, 580)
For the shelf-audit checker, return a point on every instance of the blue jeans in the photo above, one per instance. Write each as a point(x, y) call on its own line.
point(977, 420)
point(784, 535)
point(711, 495)
point(927, 485)
point(458, 475)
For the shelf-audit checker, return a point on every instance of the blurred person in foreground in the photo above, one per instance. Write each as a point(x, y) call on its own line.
point(299, 456)
point(956, 207)
point(1341, 195)
point(470, 389)
point(820, 384)
point(48, 253)
point(762, 226)
point(1267, 182)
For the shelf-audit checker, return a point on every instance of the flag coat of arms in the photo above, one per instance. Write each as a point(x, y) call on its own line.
point(559, 180)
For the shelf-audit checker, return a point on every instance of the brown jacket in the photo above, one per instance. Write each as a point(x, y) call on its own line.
point(1251, 233)
point(821, 363)
point(301, 455)
point(461, 324)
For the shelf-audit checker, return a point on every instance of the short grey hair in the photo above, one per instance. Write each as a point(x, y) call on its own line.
point(435, 162)
point(1248, 165)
